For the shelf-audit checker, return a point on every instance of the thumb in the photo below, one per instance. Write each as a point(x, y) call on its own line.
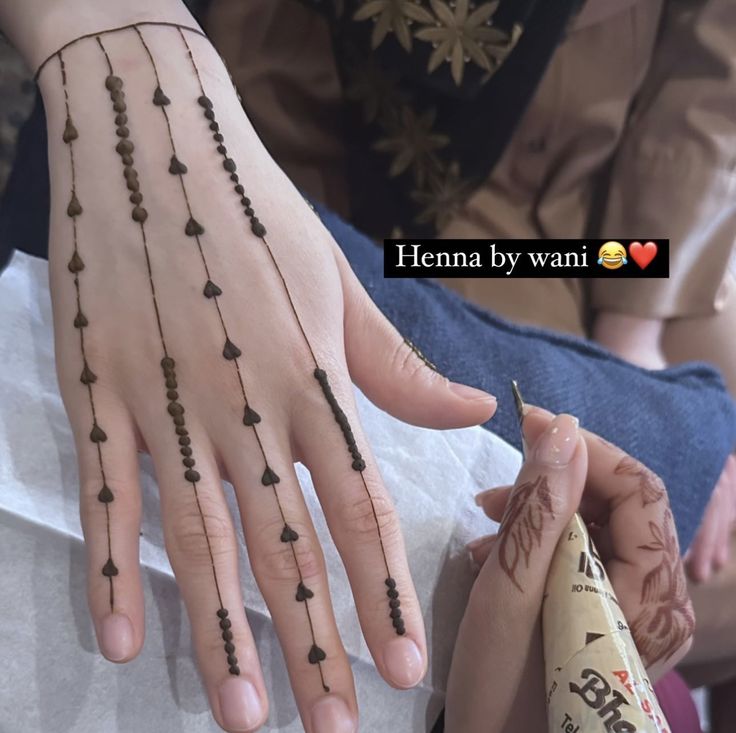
point(501, 621)
point(394, 375)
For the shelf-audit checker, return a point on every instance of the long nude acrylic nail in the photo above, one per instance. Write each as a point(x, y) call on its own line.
point(557, 444)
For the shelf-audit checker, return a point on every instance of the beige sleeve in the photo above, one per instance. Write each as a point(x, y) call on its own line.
point(674, 175)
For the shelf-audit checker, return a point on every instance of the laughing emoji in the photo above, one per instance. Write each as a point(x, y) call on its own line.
point(612, 255)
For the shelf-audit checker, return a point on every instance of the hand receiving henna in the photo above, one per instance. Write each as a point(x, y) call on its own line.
point(626, 508)
point(203, 312)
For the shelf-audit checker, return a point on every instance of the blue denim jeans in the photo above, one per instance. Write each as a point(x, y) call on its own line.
point(681, 422)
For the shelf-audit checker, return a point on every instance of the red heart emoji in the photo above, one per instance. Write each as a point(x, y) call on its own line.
point(643, 254)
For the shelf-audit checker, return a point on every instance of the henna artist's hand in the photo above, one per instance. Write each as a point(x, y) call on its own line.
point(710, 549)
point(202, 312)
point(497, 677)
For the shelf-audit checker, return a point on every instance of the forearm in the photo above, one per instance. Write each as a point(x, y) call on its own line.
point(37, 28)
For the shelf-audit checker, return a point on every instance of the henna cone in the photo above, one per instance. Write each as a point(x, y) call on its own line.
point(595, 678)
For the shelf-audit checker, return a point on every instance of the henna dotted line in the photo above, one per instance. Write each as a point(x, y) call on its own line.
point(259, 230)
point(125, 149)
point(231, 352)
point(88, 377)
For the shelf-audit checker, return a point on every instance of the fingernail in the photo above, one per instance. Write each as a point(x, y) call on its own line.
point(475, 544)
point(481, 496)
point(240, 704)
point(467, 392)
point(331, 715)
point(404, 663)
point(116, 637)
point(556, 446)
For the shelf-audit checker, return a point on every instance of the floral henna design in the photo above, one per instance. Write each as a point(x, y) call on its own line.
point(666, 620)
point(81, 322)
point(651, 486)
point(521, 528)
point(320, 375)
point(194, 229)
point(125, 149)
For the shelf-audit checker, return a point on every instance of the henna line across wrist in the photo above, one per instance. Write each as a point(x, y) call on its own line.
point(259, 230)
point(75, 266)
point(95, 34)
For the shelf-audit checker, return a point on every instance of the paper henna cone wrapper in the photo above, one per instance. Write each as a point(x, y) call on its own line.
point(595, 678)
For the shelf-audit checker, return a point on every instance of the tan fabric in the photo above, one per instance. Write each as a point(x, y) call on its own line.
point(545, 183)
point(675, 171)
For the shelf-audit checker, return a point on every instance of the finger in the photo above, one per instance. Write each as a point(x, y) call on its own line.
point(480, 549)
point(394, 374)
point(703, 548)
point(110, 512)
point(502, 617)
point(645, 566)
point(493, 501)
point(200, 541)
point(289, 567)
point(366, 531)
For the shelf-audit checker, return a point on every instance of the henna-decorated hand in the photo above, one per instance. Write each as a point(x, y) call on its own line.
point(497, 677)
point(710, 549)
point(203, 313)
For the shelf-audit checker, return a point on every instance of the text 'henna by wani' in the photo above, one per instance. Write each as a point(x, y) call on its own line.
point(125, 149)
point(194, 229)
point(259, 230)
point(81, 322)
point(529, 507)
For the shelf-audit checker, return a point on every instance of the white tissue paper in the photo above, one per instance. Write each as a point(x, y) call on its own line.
point(55, 681)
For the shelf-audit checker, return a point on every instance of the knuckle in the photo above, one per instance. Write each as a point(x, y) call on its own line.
point(368, 515)
point(405, 361)
point(286, 562)
point(196, 537)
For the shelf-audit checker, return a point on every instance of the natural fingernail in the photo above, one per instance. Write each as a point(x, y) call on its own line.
point(404, 663)
point(240, 704)
point(331, 715)
point(556, 446)
point(467, 392)
point(481, 496)
point(480, 542)
point(116, 637)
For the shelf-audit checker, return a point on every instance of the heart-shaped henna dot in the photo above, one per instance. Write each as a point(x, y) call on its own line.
point(288, 534)
point(303, 593)
point(250, 416)
point(176, 167)
point(211, 290)
point(316, 655)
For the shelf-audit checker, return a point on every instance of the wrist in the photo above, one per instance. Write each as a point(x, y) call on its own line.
point(39, 28)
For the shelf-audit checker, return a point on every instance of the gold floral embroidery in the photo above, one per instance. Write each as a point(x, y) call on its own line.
point(413, 144)
point(460, 35)
point(375, 89)
point(442, 198)
point(392, 15)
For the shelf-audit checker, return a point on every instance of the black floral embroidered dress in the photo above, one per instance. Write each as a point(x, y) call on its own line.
point(434, 90)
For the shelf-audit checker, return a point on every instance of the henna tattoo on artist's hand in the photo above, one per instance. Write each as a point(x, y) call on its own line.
point(651, 486)
point(666, 620)
point(530, 505)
